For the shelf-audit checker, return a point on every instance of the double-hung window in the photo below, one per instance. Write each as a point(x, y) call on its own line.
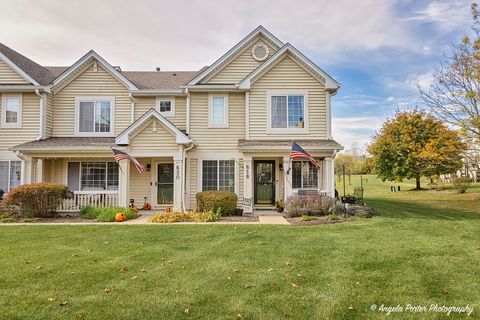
point(166, 107)
point(94, 116)
point(287, 112)
point(218, 111)
point(92, 176)
point(10, 175)
point(11, 111)
point(218, 175)
point(304, 175)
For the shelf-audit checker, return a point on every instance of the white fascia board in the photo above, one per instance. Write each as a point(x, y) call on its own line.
point(330, 83)
point(124, 137)
point(19, 71)
point(226, 56)
point(103, 62)
point(26, 87)
point(154, 92)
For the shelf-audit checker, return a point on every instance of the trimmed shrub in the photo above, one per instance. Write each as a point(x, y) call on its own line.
point(106, 214)
point(462, 184)
point(308, 218)
point(39, 200)
point(213, 200)
point(314, 205)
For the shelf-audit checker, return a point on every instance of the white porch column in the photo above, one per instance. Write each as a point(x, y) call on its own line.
point(247, 202)
point(177, 184)
point(329, 176)
point(124, 183)
point(287, 174)
point(29, 170)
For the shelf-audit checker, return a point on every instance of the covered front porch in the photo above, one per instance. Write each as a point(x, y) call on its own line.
point(270, 174)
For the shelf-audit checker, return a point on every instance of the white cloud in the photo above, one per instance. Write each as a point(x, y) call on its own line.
point(189, 34)
point(348, 130)
point(447, 15)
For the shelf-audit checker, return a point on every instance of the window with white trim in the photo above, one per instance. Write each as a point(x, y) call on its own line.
point(10, 175)
point(94, 117)
point(92, 176)
point(218, 111)
point(166, 107)
point(304, 175)
point(11, 111)
point(287, 111)
point(218, 175)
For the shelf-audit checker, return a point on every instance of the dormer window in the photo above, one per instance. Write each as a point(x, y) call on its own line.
point(166, 107)
point(94, 116)
point(11, 111)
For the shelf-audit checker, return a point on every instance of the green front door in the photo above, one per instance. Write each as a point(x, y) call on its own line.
point(165, 183)
point(264, 182)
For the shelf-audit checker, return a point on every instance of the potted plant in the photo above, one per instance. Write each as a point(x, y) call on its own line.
point(279, 205)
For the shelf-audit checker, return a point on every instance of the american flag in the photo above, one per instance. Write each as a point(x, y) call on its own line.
point(120, 155)
point(299, 152)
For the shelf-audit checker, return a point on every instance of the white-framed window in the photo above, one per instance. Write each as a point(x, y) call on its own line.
point(92, 176)
point(166, 107)
point(94, 116)
point(218, 175)
point(218, 111)
point(287, 112)
point(11, 111)
point(304, 175)
point(10, 174)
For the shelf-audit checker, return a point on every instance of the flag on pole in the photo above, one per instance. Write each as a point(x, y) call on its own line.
point(120, 155)
point(299, 152)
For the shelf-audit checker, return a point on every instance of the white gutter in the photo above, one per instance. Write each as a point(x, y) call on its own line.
point(155, 92)
point(184, 151)
point(15, 88)
point(188, 111)
point(43, 114)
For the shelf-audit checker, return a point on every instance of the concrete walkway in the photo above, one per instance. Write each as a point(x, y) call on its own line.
point(272, 220)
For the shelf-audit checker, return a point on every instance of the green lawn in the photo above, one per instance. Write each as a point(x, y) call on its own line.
point(420, 248)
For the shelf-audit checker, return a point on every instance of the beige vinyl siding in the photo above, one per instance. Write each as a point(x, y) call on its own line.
point(90, 83)
point(241, 65)
point(193, 183)
point(49, 129)
point(150, 140)
point(217, 139)
point(143, 104)
point(140, 183)
point(9, 76)
point(288, 75)
point(59, 171)
point(30, 123)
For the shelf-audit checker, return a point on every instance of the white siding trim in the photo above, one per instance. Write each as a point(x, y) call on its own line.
point(19, 71)
point(170, 113)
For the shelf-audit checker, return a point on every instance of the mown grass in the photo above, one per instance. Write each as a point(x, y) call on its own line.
point(422, 247)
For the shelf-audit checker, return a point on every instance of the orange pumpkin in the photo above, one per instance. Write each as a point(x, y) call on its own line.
point(168, 209)
point(119, 217)
point(147, 206)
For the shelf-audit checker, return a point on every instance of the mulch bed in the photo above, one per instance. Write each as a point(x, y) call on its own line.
point(62, 219)
point(320, 220)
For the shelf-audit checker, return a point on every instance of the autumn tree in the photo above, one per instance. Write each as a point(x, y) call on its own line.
point(454, 95)
point(414, 144)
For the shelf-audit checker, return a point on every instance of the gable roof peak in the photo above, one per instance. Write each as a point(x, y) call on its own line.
point(260, 30)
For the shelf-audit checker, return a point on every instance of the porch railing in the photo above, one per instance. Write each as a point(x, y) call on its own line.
point(81, 199)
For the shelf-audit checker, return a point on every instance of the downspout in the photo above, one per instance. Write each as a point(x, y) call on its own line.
point(192, 145)
point(41, 127)
point(132, 100)
point(188, 111)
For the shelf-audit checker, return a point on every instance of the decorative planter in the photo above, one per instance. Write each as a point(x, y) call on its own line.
point(280, 209)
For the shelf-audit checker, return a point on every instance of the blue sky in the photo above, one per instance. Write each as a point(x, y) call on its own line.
point(377, 49)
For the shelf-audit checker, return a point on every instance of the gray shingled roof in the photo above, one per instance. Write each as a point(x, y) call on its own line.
point(38, 73)
point(153, 80)
point(275, 145)
point(64, 142)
